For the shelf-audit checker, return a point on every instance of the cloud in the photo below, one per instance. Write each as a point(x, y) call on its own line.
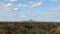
point(31, 4)
point(8, 12)
point(55, 10)
point(19, 5)
point(55, 0)
point(9, 4)
point(24, 5)
point(16, 9)
point(36, 4)
point(8, 7)
point(52, 15)
point(31, 14)
point(12, 0)
point(23, 16)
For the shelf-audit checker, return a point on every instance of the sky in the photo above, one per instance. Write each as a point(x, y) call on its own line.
point(24, 10)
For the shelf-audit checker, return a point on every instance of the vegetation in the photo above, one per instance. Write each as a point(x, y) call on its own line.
point(29, 28)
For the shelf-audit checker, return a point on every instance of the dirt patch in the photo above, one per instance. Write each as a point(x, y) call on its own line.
point(58, 29)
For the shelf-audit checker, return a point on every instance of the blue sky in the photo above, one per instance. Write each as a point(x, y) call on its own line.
point(24, 10)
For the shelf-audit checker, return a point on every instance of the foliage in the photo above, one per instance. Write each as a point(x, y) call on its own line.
point(24, 30)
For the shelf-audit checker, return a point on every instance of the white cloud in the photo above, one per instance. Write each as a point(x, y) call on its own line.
point(8, 12)
point(55, 10)
point(23, 16)
point(31, 14)
point(24, 5)
point(34, 15)
point(9, 4)
point(12, 0)
point(16, 9)
point(19, 5)
point(52, 15)
point(36, 4)
point(8, 7)
point(55, 0)
point(31, 4)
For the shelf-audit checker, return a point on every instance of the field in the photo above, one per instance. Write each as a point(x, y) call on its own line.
point(29, 28)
